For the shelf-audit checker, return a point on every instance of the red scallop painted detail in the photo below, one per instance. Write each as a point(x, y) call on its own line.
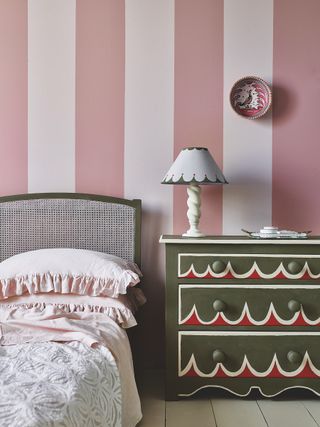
point(228, 276)
point(254, 275)
point(305, 370)
point(271, 319)
point(305, 373)
point(307, 276)
point(189, 276)
point(220, 373)
point(280, 273)
point(245, 321)
point(280, 276)
point(275, 373)
point(193, 320)
point(300, 321)
point(192, 275)
point(219, 322)
point(245, 374)
point(191, 373)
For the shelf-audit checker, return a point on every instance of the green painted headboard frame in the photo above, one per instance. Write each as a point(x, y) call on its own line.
point(86, 221)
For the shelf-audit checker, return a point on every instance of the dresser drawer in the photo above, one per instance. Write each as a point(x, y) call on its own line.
point(249, 266)
point(240, 362)
point(249, 306)
point(248, 355)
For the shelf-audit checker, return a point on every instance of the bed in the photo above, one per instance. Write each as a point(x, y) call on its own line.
point(69, 266)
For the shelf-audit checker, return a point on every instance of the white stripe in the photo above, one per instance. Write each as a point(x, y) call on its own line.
point(252, 255)
point(247, 162)
point(51, 99)
point(249, 333)
point(205, 241)
point(250, 389)
point(240, 286)
point(149, 94)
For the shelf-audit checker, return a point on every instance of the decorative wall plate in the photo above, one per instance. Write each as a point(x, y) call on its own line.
point(250, 97)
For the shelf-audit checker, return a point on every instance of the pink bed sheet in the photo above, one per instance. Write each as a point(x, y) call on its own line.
point(20, 324)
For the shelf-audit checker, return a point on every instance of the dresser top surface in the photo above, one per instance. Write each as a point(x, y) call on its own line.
point(219, 239)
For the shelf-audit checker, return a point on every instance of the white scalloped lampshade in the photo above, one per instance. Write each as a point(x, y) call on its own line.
point(194, 165)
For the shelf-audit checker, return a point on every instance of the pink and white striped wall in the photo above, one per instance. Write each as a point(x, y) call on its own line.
point(100, 95)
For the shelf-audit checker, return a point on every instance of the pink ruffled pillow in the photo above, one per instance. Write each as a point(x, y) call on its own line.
point(67, 271)
point(120, 309)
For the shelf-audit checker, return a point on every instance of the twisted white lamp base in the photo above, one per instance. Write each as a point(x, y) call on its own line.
point(194, 212)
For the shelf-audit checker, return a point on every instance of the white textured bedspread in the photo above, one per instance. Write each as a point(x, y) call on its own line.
point(65, 369)
point(55, 384)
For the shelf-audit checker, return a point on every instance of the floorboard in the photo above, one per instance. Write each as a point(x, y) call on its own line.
point(313, 407)
point(286, 413)
point(234, 412)
point(190, 413)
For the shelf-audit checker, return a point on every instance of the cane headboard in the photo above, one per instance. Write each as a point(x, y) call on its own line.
point(70, 220)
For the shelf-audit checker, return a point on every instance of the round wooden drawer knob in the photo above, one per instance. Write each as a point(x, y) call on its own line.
point(294, 267)
point(294, 305)
point(294, 357)
point(218, 356)
point(219, 305)
point(218, 266)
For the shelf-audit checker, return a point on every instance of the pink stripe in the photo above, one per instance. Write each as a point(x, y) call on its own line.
point(198, 112)
point(13, 96)
point(100, 54)
point(296, 124)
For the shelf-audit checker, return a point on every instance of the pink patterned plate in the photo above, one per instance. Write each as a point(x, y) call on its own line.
point(250, 97)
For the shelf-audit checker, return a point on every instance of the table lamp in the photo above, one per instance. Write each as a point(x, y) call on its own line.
point(194, 166)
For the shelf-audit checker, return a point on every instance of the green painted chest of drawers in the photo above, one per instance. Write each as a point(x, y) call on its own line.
point(242, 314)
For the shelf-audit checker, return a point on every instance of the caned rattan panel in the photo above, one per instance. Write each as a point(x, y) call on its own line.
point(100, 225)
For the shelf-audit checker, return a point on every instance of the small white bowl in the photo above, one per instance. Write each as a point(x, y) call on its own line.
point(269, 230)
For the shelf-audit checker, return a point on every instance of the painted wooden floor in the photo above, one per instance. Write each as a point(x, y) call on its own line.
point(222, 410)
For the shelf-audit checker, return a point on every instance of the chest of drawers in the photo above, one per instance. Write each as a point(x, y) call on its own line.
point(242, 314)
